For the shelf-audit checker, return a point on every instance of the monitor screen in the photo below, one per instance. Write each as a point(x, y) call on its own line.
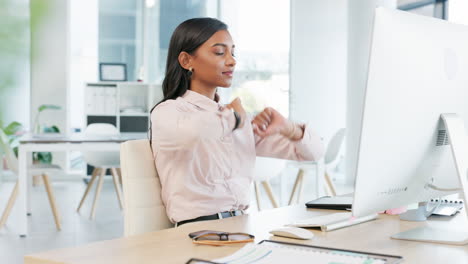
point(418, 70)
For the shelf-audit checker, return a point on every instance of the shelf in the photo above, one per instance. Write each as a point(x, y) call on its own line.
point(134, 114)
point(115, 115)
point(132, 98)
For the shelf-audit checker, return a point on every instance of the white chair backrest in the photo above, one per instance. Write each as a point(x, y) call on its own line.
point(10, 157)
point(334, 146)
point(266, 168)
point(99, 158)
point(144, 210)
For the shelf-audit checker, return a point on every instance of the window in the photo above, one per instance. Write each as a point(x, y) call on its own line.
point(262, 51)
point(262, 46)
point(161, 21)
point(120, 33)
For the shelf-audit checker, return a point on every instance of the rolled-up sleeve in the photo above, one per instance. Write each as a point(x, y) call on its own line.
point(309, 148)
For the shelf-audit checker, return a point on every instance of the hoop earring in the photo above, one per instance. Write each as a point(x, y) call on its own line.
point(190, 72)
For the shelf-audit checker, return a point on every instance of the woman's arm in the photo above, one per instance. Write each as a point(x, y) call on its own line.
point(278, 137)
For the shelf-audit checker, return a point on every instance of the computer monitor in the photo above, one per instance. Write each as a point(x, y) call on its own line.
point(418, 73)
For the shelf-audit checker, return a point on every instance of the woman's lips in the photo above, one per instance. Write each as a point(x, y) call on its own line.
point(228, 73)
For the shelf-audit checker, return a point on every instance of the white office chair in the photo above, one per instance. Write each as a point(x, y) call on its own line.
point(101, 161)
point(144, 210)
point(330, 161)
point(35, 169)
point(266, 168)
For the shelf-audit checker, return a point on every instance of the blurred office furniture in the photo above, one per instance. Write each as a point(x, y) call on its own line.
point(144, 210)
point(125, 105)
point(36, 169)
point(266, 168)
point(74, 142)
point(101, 161)
point(330, 162)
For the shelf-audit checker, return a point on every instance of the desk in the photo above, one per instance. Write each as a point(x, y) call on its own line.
point(174, 246)
point(77, 142)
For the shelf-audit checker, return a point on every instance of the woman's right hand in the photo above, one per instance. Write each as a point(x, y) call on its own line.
point(236, 105)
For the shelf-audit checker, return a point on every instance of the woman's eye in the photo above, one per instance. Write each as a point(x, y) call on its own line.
point(219, 53)
point(233, 54)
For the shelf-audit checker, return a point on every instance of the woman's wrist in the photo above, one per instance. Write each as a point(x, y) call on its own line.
point(293, 131)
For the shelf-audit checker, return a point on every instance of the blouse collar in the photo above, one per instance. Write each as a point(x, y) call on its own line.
point(202, 101)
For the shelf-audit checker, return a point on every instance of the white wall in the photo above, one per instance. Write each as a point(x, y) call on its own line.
point(14, 100)
point(318, 64)
point(50, 66)
point(84, 27)
point(457, 11)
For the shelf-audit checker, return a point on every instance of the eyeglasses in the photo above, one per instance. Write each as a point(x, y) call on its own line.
point(217, 238)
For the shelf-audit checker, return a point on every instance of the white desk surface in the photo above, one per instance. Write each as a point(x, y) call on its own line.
point(79, 138)
point(174, 246)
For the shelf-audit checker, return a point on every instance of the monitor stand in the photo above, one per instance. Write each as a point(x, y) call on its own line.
point(459, 145)
point(419, 214)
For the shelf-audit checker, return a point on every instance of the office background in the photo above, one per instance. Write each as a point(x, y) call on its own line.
point(306, 58)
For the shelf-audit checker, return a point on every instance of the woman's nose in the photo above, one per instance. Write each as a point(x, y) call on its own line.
point(231, 61)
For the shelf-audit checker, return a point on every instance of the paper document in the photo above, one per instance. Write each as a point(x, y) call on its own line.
point(280, 254)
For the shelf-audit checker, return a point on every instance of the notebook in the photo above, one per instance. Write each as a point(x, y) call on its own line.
point(276, 252)
point(334, 221)
point(334, 203)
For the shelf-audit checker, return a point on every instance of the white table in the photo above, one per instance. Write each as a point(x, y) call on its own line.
point(77, 142)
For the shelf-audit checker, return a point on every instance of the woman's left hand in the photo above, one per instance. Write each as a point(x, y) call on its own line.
point(270, 122)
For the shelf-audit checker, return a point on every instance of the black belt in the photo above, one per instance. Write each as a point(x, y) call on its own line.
point(212, 217)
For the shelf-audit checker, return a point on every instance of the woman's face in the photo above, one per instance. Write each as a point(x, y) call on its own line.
point(213, 62)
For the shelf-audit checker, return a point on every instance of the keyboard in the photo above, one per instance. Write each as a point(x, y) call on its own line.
point(324, 219)
point(333, 221)
point(446, 207)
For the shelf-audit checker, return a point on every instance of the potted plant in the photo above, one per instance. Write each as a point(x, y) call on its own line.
point(44, 157)
point(13, 131)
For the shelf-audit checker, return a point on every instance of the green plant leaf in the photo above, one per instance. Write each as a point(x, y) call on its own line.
point(42, 157)
point(46, 106)
point(12, 128)
point(51, 129)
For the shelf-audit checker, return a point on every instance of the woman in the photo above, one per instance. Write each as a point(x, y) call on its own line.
point(204, 151)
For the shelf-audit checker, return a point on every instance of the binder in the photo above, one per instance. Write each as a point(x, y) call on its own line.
point(275, 252)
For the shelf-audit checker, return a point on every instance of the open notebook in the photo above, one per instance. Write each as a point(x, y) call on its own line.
point(275, 252)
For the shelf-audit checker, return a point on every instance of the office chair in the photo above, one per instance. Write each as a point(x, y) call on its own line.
point(144, 210)
point(330, 161)
point(101, 161)
point(266, 168)
point(35, 169)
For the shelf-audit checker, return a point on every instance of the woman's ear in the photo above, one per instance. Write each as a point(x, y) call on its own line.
point(185, 60)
